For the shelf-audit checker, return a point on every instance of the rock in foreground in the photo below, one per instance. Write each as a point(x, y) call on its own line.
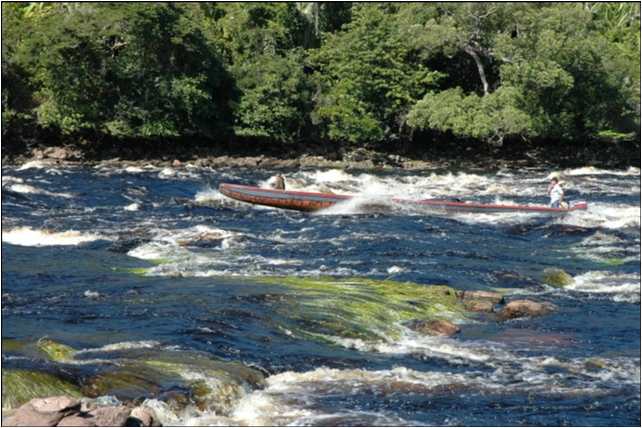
point(43, 411)
point(66, 411)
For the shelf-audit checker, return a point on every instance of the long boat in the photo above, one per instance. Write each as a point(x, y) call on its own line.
point(313, 201)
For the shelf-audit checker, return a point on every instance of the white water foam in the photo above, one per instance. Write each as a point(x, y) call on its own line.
point(139, 344)
point(28, 237)
point(34, 164)
point(590, 170)
point(609, 216)
point(606, 248)
point(292, 398)
point(620, 287)
point(28, 189)
point(374, 193)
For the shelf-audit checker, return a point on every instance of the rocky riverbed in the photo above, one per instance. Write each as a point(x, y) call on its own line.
point(139, 284)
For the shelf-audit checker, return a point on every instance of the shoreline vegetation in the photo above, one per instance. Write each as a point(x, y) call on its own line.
point(614, 155)
point(319, 84)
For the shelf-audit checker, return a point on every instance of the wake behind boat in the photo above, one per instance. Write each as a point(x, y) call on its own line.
point(313, 201)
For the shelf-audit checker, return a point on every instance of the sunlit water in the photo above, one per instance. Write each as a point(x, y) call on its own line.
point(107, 258)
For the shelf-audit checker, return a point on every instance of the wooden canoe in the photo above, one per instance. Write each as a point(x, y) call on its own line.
point(312, 201)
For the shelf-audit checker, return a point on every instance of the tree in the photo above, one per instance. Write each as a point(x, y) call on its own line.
point(275, 94)
point(367, 79)
point(124, 69)
point(563, 68)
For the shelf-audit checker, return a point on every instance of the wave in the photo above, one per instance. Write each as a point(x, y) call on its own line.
point(28, 237)
point(19, 187)
point(297, 398)
point(34, 164)
point(604, 215)
point(590, 170)
point(620, 287)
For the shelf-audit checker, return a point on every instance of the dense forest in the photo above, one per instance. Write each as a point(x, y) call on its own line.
point(347, 74)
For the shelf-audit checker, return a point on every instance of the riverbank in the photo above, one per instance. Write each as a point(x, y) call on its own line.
point(441, 155)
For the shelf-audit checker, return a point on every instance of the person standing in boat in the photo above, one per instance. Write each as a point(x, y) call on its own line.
point(556, 193)
point(279, 182)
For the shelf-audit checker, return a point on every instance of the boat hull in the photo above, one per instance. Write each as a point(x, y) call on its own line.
point(311, 201)
point(286, 199)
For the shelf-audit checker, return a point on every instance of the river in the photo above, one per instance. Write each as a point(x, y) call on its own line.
point(156, 287)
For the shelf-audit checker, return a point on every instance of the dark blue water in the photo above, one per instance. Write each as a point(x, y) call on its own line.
point(149, 257)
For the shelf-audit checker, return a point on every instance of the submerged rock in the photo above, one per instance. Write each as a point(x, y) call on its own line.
point(479, 305)
point(55, 351)
point(20, 386)
point(525, 308)
point(480, 301)
point(556, 277)
point(213, 385)
point(125, 383)
point(325, 308)
point(595, 364)
point(434, 327)
point(490, 296)
point(112, 416)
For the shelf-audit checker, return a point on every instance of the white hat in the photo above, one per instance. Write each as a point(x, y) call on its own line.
point(553, 175)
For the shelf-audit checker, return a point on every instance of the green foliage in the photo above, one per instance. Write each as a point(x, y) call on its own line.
point(125, 69)
point(274, 98)
point(490, 118)
point(350, 73)
point(367, 79)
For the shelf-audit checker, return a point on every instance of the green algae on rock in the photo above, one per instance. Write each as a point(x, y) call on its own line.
point(556, 277)
point(126, 382)
point(214, 385)
point(360, 308)
point(55, 351)
point(19, 386)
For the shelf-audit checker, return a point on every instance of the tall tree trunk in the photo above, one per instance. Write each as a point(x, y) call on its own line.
point(480, 67)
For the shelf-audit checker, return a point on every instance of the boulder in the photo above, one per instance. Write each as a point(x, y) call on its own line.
point(77, 421)
point(556, 277)
point(142, 416)
point(434, 327)
point(525, 308)
point(112, 416)
point(594, 364)
point(490, 296)
point(43, 411)
point(176, 163)
point(37, 154)
point(55, 404)
point(55, 351)
point(125, 383)
point(479, 305)
point(62, 153)
point(27, 417)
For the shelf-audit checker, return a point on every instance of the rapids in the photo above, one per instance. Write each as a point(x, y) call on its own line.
point(262, 316)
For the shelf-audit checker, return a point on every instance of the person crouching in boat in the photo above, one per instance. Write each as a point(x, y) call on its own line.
point(556, 193)
point(279, 182)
